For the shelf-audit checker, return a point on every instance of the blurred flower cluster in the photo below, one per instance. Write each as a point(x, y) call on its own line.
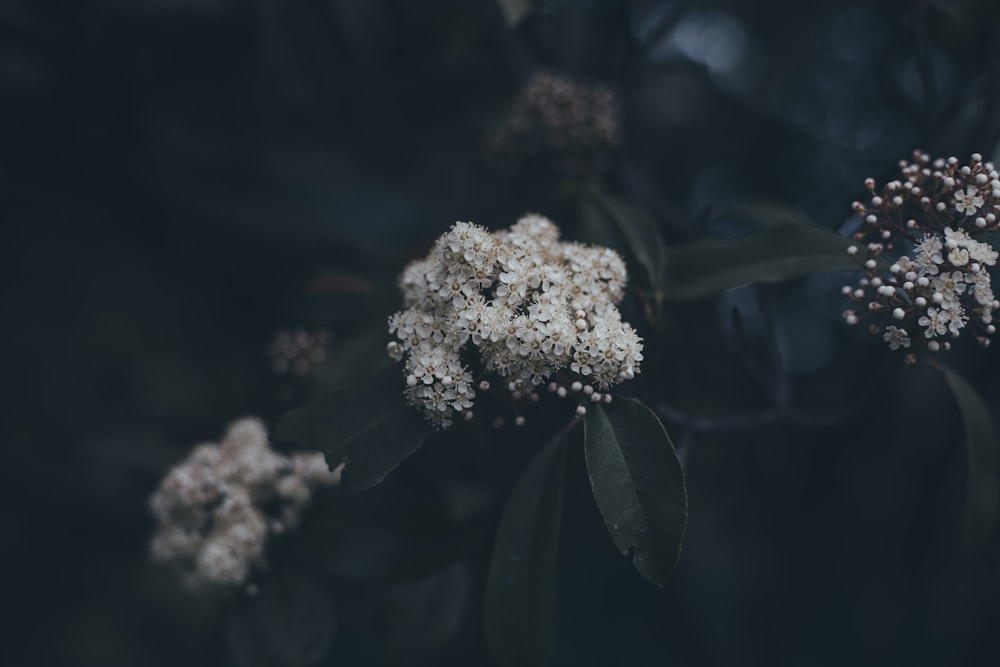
point(297, 351)
point(554, 116)
point(218, 507)
point(517, 305)
point(925, 269)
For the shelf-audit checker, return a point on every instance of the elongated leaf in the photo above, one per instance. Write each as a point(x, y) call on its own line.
point(514, 11)
point(783, 251)
point(368, 425)
point(638, 484)
point(370, 459)
point(765, 213)
point(520, 607)
point(982, 497)
point(352, 360)
point(638, 229)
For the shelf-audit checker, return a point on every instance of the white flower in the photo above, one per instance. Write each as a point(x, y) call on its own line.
point(968, 202)
point(936, 321)
point(982, 253)
point(956, 317)
point(956, 237)
point(928, 255)
point(896, 338)
point(981, 289)
point(415, 283)
point(949, 285)
point(958, 256)
point(977, 250)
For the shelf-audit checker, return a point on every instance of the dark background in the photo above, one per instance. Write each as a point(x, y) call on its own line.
point(181, 178)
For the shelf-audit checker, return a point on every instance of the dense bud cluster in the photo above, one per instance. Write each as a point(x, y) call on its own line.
point(211, 507)
point(926, 274)
point(555, 115)
point(511, 311)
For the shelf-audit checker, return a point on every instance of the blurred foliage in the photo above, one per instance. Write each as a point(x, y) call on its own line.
point(981, 454)
point(182, 178)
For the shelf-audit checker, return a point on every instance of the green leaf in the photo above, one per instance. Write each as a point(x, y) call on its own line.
point(638, 229)
point(638, 484)
point(376, 455)
point(785, 246)
point(764, 214)
point(779, 252)
point(515, 11)
point(351, 360)
point(520, 606)
point(981, 507)
point(369, 426)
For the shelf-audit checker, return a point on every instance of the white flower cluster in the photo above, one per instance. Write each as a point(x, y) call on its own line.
point(210, 507)
point(518, 304)
point(924, 269)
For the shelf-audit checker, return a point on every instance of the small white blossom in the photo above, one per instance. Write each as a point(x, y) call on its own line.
point(935, 321)
point(968, 202)
point(896, 338)
point(958, 256)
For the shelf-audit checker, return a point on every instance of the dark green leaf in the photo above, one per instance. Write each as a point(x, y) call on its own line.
point(520, 607)
point(371, 459)
point(764, 214)
point(351, 360)
point(780, 252)
point(982, 497)
point(368, 425)
point(514, 11)
point(639, 230)
point(595, 227)
point(289, 623)
point(638, 484)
